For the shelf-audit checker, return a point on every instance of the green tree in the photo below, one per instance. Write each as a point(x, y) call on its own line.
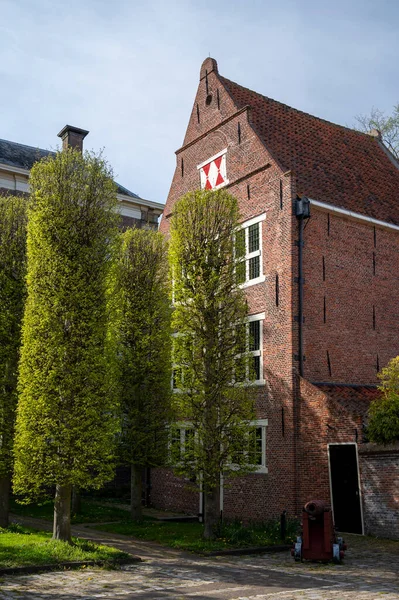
point(383, 425)
point(12, 299)
point(140, 330)
point(388, 126)
point(66, 413)
point(209, 344)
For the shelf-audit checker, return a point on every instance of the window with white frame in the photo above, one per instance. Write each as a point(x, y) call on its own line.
point(249, 266)
point(254, 446)
point(250, 362)
point(181, 444)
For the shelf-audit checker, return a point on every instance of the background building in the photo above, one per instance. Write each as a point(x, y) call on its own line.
point(16, 160)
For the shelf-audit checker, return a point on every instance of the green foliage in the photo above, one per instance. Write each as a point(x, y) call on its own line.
point(12, 299)
point(21, 546)
point(140, 339)
point(383, 425)
point(388, 126)
point(189, 536)
point(91, 511)
point(208, 318)
point(66, 413)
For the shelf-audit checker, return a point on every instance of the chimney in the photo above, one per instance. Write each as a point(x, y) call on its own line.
point(72, 137)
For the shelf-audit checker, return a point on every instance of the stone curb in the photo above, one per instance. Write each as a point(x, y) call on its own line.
point(62, 566)
point(253, 550)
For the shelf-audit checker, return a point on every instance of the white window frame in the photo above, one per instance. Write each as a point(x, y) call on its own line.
point(182, 426)
point(260, 423)
point(250, 318)
point(248, 255)
point(209, 160)
point(258, 317)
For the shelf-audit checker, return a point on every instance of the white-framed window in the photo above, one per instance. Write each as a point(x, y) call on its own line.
point(249, 265)
point(212, 171)
point(181, 442)
point(250, 368)
point(254, 446)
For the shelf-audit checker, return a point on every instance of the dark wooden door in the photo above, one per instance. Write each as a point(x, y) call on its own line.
point(345, 488)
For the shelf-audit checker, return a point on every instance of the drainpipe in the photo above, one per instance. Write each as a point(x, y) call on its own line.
point(302, 212)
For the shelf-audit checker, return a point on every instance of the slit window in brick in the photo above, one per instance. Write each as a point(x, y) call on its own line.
point(329, 364)
point(324, 269)
point(239, 133)
point(378, 363)
point(218, 98)
point(277, 290)
point(375, 237)
point(324, 310)
point(374, 263)
point(281, 195)
point(328, 223)
point(373, 317)
point(248, 192)
point(182, 167)
point(198, 114)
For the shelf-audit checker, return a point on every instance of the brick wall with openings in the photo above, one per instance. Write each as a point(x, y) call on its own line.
point(351, 278)
point(350, 269)
point(261, 187)
point(379, 475)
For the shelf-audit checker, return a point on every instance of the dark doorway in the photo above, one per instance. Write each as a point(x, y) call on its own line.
point(345, 488)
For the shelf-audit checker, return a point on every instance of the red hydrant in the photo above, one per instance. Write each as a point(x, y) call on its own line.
point(319, 539)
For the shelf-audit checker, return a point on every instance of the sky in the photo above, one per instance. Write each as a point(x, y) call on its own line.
point(128, 70)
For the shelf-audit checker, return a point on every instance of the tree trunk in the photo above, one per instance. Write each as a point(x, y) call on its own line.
point(5, 484)
point(211, 512)
point(76, 501)
point(62, 513)
point(136, 486)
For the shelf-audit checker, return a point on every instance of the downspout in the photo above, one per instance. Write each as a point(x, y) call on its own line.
point(302, 212)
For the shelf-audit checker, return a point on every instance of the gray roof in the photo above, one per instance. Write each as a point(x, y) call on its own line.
point(24, 157)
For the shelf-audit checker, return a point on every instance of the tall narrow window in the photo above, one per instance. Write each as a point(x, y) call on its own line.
point(249, 252)
point(249, 365)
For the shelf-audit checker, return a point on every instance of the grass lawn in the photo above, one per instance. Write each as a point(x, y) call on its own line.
point(21, 546)
point(188, 536)
point(91, 512)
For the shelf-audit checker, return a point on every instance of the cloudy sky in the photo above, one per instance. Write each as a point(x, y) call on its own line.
point(128, 70)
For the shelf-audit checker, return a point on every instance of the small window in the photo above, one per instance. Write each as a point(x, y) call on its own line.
point(181, 443)
point(248, 244)
point(254, 447)
point(249, 362)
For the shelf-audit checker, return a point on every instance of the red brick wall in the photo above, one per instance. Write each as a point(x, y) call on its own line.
point(352, 287)
point(249, 164)
point(379, 475)
point(323, 422)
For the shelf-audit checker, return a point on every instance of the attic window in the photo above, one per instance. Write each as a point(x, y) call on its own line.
point(208, 99)
point(213, 173)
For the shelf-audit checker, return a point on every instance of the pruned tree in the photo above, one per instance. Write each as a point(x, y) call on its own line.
point(383, 427)
point(388, 126)
point(66, 419)
point(214, 400)
point(140, 336)
point(12, 299)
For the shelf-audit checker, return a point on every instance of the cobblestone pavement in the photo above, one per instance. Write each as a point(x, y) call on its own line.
point(370, 572)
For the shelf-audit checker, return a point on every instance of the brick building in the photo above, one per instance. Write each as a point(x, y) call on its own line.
point(16, 160)
point(320, 212)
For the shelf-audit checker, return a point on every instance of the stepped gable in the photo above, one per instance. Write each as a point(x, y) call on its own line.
point(331, 163)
